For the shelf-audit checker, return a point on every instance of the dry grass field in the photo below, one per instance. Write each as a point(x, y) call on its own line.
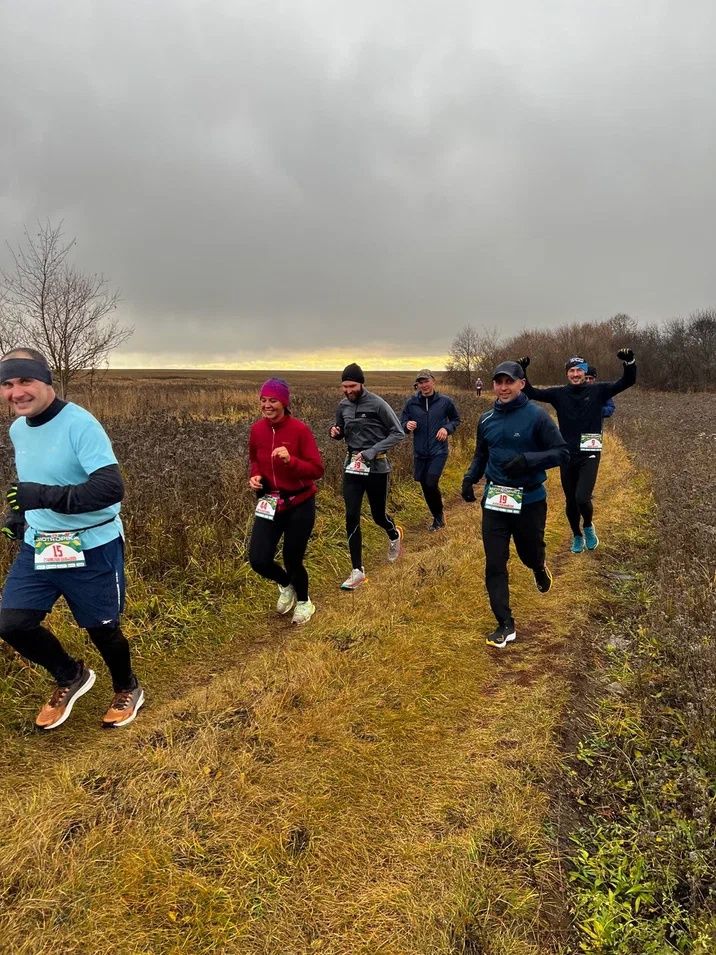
point(379, 781)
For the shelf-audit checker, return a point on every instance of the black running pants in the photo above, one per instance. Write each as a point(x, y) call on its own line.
point(579, 475)
point(295, 524)
point(376, 487)
point(23, 631)
point(527, 529)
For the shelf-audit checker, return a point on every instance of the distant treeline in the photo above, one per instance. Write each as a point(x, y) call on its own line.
point(678, 355)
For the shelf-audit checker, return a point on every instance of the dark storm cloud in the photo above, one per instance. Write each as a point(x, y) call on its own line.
point(307, 174)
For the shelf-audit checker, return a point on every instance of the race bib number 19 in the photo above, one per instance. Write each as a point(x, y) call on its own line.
point(590, 442)
point(505, 499)
point(58, 551)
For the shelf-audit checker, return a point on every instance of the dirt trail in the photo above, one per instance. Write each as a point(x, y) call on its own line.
point(365, 784)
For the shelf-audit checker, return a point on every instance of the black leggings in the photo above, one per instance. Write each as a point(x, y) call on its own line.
point(527, 529)
point(579, 476)
point(376, 487)
point(22, 630)
point(296, 524)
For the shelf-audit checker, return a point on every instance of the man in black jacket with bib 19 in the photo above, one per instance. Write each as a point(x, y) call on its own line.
point(516, 442)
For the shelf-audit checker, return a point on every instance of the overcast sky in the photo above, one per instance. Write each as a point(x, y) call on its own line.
point(314, 181)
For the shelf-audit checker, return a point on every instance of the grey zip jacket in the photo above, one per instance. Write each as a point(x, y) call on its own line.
point(369, 425)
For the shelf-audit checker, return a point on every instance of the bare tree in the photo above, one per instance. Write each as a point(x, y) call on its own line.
point(472, 352)
point(53, 307)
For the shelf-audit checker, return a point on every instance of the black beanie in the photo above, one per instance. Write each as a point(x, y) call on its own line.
point(353, 372)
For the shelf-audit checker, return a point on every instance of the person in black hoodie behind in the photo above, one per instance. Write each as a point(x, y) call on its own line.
point(579, 408)
point(516, 442)
point(431, 418)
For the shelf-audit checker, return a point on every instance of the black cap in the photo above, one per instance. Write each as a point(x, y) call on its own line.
point(510, 368)
point(353, 372)
point(592, 371)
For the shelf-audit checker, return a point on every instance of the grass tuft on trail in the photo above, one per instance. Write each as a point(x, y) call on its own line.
point(376, 782)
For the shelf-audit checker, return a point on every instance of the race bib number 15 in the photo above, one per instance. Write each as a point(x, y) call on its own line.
point(58, 551)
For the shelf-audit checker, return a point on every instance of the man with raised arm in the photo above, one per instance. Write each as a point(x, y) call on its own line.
point(579, 408)
point(370, 428)
point(64, 509)
point(516, 443)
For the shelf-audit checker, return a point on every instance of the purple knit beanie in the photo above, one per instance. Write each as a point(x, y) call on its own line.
point(276, 388)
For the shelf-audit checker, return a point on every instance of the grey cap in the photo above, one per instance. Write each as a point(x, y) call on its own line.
point(510, 368)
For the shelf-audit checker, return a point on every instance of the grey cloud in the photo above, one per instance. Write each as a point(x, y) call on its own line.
point(342, 171)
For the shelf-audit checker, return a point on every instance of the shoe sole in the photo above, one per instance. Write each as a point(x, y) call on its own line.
point(594, 546)
point(130, 719)
point(354, 586)
point(501, 646)
point(68, 709)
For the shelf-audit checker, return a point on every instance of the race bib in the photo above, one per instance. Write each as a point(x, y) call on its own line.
point(58, 551)
point(357, 467)
point(590, 442)
point(266, 506)
point(506, 499)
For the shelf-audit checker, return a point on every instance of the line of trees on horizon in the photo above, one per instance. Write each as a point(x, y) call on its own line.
point(677, 355)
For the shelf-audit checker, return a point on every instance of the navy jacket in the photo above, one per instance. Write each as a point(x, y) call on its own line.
point(579, 407)
point(517, 427)
point(431, 414)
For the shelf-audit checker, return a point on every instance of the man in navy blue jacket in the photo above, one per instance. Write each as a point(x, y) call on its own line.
point(431, 418)
point(516, 442)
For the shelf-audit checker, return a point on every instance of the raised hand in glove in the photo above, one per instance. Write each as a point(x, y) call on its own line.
point(524, 362)
point(467, 492)
point(626, 354)
point(9, 532)
point(515, 466)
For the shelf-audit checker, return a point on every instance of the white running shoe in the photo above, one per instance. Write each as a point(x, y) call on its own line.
point(395, 547)
point(286, 599)
point(356, 578)
point(305, 609)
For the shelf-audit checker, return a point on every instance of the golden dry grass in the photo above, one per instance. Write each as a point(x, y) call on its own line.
point(377, 782)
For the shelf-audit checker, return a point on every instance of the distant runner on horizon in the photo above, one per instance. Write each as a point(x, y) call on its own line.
point(579, 413)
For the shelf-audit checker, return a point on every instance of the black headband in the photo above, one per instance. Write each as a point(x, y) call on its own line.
point(24, 368)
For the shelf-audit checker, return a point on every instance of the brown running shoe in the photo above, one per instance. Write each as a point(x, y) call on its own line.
point(124, 707)
point(60, 704)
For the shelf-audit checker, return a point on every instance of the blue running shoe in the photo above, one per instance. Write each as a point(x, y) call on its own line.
point(577, 544)
point(590, 538)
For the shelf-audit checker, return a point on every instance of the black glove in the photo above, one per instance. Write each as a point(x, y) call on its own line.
point(28, 496)
point(524, 362)
point(626, 354)
point(467, 492)
point(9, 533)
point(515, 466)
point(14, 527)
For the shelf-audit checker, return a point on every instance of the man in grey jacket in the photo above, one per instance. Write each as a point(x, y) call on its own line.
point(370, 428)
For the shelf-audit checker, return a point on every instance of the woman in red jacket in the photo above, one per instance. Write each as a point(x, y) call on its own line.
point(284, 464)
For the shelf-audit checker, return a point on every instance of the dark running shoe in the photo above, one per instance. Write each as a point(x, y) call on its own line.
point(124, 707)
point(543, 579)
point(503, 635)
point(59, 706)
point(437, 524)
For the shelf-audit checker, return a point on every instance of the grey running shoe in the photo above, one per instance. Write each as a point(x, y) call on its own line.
point(59, 706)
point(354, 579)
point(395, 547)
point(286, 599)
point(305, 609)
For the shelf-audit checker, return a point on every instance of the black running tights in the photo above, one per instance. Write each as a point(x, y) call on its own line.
point(23, 631)
point(376, 487)
point(295, 524)
point(579, 476)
